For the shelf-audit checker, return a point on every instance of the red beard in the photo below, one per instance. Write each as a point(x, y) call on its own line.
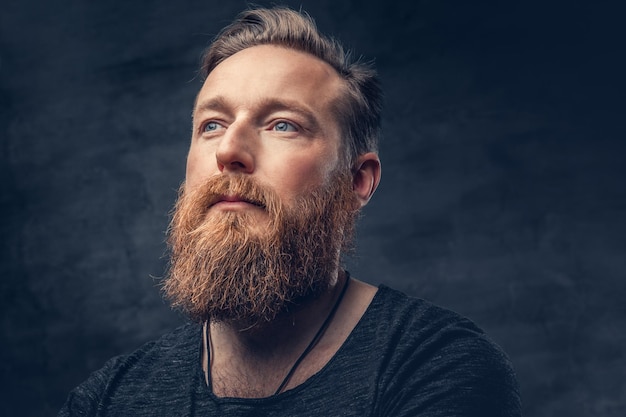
point(226, 267)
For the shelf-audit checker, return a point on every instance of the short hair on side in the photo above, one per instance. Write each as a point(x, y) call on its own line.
point(359, 108)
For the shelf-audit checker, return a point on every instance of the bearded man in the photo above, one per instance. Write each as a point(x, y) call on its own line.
point(283, 155)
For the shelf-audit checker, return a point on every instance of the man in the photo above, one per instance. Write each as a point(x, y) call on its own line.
point(282, 158)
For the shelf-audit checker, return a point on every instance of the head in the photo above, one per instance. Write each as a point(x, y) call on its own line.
point(359, 105)
point(280, 163)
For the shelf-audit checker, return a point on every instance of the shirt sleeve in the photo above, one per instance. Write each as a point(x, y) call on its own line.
point(85, 400)
point(458, 372)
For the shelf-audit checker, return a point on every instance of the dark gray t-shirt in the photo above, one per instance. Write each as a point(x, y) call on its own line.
point(406, 357)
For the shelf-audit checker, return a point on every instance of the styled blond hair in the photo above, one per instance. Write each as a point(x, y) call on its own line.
point(358, 108)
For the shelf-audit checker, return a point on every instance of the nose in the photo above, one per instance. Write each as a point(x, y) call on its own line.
point(235, 151)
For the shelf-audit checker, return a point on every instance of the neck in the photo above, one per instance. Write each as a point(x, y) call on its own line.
point(263, 355)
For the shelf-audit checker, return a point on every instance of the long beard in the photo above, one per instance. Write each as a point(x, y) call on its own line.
point(229, 266)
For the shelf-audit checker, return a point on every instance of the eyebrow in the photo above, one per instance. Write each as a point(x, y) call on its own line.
point(267, 106)
point(216, 103)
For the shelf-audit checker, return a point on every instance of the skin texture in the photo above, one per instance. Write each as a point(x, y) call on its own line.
point(267, 112)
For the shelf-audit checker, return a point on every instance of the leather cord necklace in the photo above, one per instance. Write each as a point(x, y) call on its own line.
point(307, 350)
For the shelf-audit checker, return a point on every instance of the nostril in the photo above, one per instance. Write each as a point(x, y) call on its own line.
point(243, 163)
point(237, 164)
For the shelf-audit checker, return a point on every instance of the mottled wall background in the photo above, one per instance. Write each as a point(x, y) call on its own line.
point(502, 197)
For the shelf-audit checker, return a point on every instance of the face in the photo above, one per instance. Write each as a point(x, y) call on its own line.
point(267, 206)
point(266, 112)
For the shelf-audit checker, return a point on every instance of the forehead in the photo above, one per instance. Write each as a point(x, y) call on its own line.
point(273, 72)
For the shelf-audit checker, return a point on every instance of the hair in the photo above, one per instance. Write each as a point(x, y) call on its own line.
point(360, 105)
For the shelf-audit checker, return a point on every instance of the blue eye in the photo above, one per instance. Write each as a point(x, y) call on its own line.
point(285, 127)
point(210, 127)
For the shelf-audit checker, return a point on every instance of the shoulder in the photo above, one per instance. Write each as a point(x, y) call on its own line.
point(413, 320)
point(437, 358)
point(164, 357)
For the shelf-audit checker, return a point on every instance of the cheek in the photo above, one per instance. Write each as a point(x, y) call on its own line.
point(198, 168)
point(303, 174)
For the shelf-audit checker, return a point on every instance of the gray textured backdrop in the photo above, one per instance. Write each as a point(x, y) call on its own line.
point(502, 196)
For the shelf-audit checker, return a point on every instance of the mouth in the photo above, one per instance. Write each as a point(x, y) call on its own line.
point(234, 199)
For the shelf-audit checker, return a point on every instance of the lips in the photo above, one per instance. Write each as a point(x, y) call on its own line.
point(236, 199)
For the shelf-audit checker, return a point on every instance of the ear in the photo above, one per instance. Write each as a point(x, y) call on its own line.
point(366, 176)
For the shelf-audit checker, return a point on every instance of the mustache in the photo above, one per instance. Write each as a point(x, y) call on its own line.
point(234, 187)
